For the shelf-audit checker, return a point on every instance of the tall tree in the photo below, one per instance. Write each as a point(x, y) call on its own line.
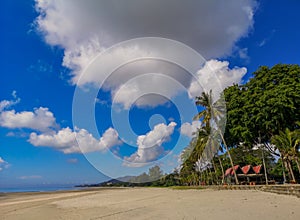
point(212, 115)
point(264, 106)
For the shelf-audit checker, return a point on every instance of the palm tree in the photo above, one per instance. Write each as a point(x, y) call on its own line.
point(210, 139)
point(287, 143)
point(194, 151)
point(205, 100)
point(222, 169)
point(211, 116)
point(187, 152)
point(296, 146)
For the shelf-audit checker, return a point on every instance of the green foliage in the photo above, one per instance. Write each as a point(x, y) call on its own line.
point(288, 144)
point(257, 111)
point(207, 142)
point(266, 109)
point(171, 179)
point(264, 106)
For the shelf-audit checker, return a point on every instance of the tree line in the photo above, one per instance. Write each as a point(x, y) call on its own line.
point(262, 120)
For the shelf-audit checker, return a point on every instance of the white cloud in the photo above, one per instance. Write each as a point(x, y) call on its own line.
point(4, 104)
point(3, 164)
point(243, 54)
point(101, 102)
point(224, 74)
point(20, 134)
point(210, 26)
point(188, 129)
point(43, 122)
point(40, 119)
point(267, 39)
point(14, 94)
point(148, 90)
point(77, 141)
point(8, 103)
point(150, 145)
point(85, 28)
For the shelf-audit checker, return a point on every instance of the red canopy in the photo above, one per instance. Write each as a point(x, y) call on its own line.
point(257, 169)
point(229, 171)
point(248, 169)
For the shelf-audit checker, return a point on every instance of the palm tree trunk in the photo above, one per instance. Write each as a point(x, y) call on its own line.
point(231, 162)
point(210, 176)
point(207, 177)
point(195, 179)
point(298, 164)
point(283, 170)
point(222, 169)
point(265, 168)
point(200, 177)
point(288, 169)
point(291, 170)
point(215, 168)
point(214, 165)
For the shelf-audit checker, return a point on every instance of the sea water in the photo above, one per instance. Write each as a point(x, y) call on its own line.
point(38, 189)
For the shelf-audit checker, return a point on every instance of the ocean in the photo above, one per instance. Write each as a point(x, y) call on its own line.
point(38, 189)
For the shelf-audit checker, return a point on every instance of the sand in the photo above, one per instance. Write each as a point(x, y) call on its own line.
point(150, 203)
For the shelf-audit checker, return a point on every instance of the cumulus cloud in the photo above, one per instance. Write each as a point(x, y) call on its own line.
point(41, 119)
point(80, 140)
point(147, 90)
point(150, 145)
point(222, 71)
point(188, 129)
point(86, 28)
point(47, 131)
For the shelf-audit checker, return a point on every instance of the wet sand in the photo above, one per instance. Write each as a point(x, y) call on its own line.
point(149, 203)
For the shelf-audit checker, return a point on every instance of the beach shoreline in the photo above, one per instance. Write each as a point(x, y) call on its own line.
point(148, 203)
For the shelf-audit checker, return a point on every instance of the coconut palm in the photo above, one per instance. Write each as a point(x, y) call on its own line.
point(212, 115)
point(194, 151)
point(211, 140)
point(287, 143)
point(296, 147)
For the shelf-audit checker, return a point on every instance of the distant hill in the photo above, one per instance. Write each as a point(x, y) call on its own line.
point(120, 181)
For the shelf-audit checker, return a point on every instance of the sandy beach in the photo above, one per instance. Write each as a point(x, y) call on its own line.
point(149, 203)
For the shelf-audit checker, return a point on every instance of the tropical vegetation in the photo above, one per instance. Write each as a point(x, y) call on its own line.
point(262, 127)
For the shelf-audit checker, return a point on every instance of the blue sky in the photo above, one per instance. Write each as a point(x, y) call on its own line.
point(47, 47)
